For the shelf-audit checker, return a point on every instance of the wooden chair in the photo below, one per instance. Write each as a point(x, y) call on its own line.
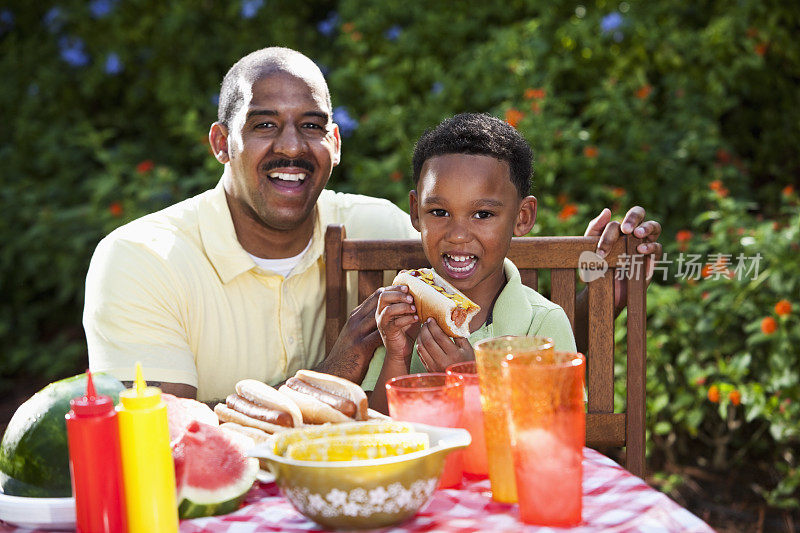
point(604, 427)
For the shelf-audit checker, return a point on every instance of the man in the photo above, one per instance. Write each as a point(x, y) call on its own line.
point(229, 284)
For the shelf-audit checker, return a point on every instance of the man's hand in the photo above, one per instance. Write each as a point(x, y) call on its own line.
point(437, 351)
point(350, 356)
point(396, 318)
point(610, 231)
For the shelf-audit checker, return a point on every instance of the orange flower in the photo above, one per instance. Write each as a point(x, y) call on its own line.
point(769, 325)
point(788, 191)
point(643, 92)
point(683, 235)
point(735, 397)
point(396, 176)
point(700, 381)
point(145, 166)
point(115, 209)
point(704, 296)
point(705, 272)
point(591, 152)
point(562, 199)
point(761, 48)
point(713, 394)
point(718, 188)
point(535, 107)
point(618, 192)
point(356, 36)
point(347, 27)
point(535, 94)
point(513, 116)
point(783, 308)
point(569, 211)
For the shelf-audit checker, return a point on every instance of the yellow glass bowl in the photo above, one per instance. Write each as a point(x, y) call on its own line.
point(368, 493)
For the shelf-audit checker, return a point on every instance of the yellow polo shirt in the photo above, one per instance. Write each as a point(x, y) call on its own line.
point(176, 291)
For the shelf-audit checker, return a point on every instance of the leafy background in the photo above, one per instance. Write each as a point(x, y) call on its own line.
point(686, 108)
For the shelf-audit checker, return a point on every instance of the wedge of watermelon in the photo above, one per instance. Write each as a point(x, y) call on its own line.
point(182, 411)
point(212, 473)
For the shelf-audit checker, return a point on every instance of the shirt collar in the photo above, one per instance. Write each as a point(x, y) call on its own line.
point(222, 247)
point(512, 312)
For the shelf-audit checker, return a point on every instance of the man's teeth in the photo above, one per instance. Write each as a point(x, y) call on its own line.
point(287, 177)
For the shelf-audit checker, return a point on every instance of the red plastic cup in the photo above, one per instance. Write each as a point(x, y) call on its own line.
point(547, 425)
point(429, 399)
point(476, 463)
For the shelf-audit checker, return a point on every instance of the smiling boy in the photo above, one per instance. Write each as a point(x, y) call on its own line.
point(472, 175)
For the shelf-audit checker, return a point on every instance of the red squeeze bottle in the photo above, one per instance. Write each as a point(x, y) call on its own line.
point(95, 463)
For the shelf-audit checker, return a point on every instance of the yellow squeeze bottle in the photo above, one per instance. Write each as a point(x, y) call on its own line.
point(147, 467)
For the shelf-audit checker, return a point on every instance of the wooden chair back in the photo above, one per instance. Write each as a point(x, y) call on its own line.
point(560, 255)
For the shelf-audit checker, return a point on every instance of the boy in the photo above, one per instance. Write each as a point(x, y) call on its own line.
point(472, 174)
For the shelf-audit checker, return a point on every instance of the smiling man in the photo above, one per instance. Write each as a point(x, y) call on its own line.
point(230, 284)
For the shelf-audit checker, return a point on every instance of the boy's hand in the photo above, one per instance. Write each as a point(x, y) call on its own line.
point(633, 224)
point(396, 317)
point(437, 351)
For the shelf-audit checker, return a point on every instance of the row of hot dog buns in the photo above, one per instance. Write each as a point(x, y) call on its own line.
point(307, 398)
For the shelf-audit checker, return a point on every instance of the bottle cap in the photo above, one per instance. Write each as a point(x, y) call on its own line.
point(91, 404)
point(140, 396)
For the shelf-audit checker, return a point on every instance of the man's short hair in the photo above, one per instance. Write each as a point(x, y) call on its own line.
point(478, 134)
point(260, 63)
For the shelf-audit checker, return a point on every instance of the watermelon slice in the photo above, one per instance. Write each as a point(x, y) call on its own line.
point(212, 473)
point(182, 411)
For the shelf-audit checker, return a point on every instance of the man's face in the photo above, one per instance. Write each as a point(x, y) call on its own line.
point(467, 210)
point(282, 147)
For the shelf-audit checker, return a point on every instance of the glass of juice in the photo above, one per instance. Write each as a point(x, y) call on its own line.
point(548, 430)
point(495, 403)
point(475, 461)
point(430, 399)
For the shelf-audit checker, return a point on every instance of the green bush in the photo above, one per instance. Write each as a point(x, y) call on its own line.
point(106, 106)
point(723, 389)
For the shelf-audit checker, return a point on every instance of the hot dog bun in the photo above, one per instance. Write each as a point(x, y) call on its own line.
point(435, 298)
point(262, 394)
point(347, 397)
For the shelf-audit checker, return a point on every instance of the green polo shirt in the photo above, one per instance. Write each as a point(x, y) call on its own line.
point(518, 310)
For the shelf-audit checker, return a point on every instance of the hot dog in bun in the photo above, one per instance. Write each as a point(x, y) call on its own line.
point(435, 298)
point(325, 398)
point(258, 405)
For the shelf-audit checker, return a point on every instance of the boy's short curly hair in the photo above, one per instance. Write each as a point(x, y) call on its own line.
point(478, 134)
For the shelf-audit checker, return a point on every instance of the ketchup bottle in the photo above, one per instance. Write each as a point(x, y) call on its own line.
point(95, 463)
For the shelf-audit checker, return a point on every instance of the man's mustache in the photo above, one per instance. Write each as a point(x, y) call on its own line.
point(283, 163)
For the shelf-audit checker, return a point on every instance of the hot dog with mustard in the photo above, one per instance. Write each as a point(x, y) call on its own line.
point(435, 297)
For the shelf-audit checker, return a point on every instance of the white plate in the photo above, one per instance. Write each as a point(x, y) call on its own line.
point(52, 514)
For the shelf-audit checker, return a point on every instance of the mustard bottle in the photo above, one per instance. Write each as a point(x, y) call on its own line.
point(147, 466)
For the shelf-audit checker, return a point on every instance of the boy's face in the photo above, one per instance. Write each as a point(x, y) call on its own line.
point(467, 209)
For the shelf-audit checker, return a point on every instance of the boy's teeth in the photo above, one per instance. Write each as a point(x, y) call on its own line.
point(287, 177)
point(460, 263)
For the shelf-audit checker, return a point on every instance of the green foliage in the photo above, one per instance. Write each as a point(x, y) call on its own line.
point(106, 106)
point(722, 384)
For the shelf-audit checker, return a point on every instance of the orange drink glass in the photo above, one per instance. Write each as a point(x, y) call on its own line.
point(475, 461)
point(495, 402)
point(548, 430)
point(430, 399)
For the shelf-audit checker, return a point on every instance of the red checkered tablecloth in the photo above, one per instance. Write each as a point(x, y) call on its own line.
point(614, 500)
